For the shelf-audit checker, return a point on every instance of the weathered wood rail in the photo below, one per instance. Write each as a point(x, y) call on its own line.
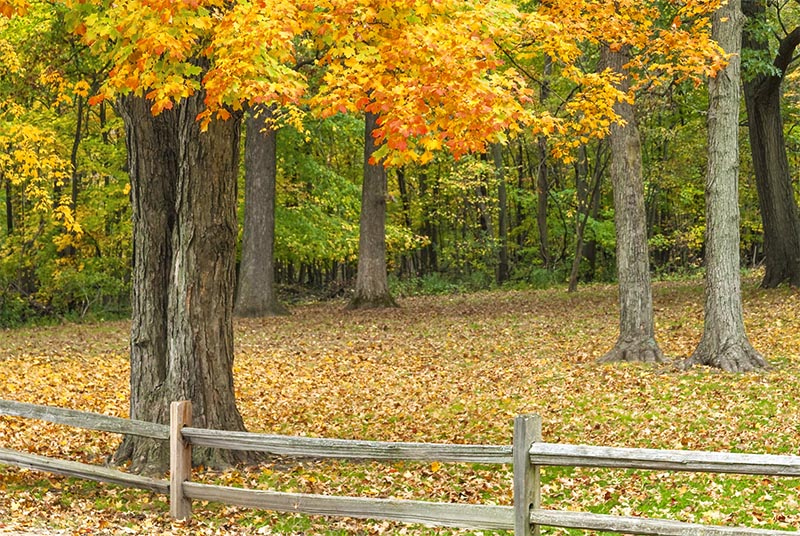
point(528, 454)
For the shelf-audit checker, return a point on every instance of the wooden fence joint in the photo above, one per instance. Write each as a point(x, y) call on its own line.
point(180, 460)
point(527, 479)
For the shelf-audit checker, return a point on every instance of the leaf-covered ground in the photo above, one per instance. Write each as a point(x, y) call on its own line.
point(440, 369)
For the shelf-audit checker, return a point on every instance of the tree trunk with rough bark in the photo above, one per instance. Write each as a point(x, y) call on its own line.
point(153, 169)
point(200, 335)
point(255, 296)
point(779, 213)
point(372, 284)
point(183, 193)
point(636, 323)
point(724, 343)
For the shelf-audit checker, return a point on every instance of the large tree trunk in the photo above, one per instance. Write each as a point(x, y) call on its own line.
point(779, 215)
point(256, 290)
point(183, 194)
point(153, 168)
point(636, 325)
point(200, 336)
point(724, 343)
point(372, 285)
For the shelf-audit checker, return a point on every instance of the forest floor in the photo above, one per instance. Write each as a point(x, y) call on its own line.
point(454, 369)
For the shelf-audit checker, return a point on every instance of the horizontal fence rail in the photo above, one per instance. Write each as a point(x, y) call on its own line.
point(347, 448)
point(641, 525)
point(528, 454)
point(81, 470)
point(664, 460)
point(465, 516)
point(85, 420)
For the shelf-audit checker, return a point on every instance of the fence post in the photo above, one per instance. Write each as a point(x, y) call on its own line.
point(527, 482)
point(180, 459)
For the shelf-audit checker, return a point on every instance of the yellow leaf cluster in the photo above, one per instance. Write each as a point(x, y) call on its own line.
point(562, 32)
point(441, 74)
point(432, 73)
point(9, 8)
point(30, 159)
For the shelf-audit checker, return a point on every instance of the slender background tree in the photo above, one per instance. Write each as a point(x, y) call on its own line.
point(724, 343)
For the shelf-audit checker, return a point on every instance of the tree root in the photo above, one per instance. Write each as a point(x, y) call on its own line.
point(738, 356)
point(634, 351)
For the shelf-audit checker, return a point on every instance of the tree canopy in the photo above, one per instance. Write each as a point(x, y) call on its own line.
point(446, 78)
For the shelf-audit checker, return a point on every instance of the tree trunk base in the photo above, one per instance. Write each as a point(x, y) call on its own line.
point(634, 351)
point(150, 457)
point(273, 309)
point(775, 278)
point(371, 302)
point(739, 356)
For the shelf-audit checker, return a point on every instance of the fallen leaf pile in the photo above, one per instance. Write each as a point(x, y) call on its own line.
point(452, 369)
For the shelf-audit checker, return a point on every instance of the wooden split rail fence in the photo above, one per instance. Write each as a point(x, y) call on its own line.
point(528, 454)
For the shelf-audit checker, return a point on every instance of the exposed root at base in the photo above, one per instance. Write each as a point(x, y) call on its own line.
point(634, 351)
point(730, 357)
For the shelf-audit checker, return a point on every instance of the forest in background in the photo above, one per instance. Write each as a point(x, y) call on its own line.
point(517, 217)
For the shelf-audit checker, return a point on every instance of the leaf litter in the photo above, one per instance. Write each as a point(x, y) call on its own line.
point(451, 369)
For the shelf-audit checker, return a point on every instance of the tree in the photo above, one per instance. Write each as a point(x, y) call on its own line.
point(413, 65)
point(255, 294)
point(181, 103)
point(502, 216)
point(762, 96)
point(183, 195)
point(636, 340)
point(630, 35)
point(724, 343)
point(410, 67)
point(372, 285)
point(153, 168)
point(201, 293)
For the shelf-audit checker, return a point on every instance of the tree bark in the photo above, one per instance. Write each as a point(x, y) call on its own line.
point(200, 336)
point(724, 343)
point(153, 168)
point(779, 213)
point(542, 175)
point(184, 202)
point(73, 159)
point(503, 272)
point(256, 290)
point(636, 324)
point(372, 285)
